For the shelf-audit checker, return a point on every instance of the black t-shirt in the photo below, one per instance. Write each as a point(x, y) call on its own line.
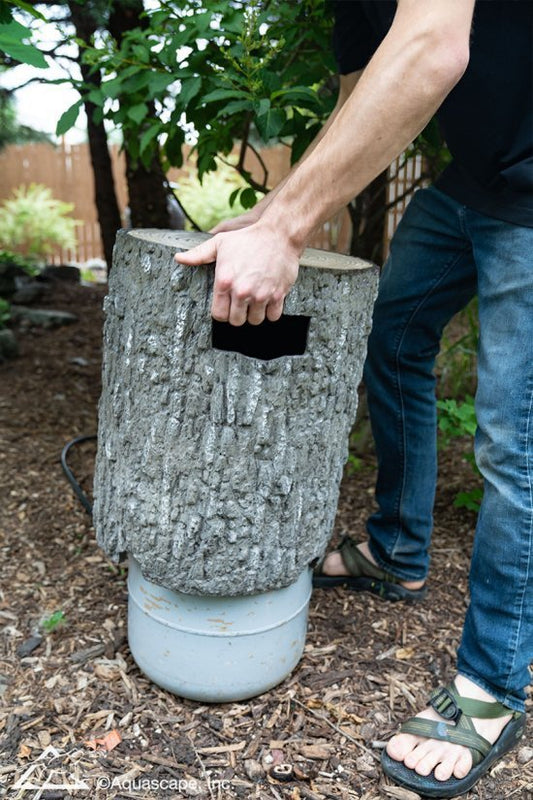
point(487, 119)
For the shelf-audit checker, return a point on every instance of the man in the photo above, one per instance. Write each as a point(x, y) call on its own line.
point(400, 63)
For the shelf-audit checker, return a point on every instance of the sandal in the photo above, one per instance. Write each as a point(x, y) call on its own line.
point(365, 576)
point(459, 710)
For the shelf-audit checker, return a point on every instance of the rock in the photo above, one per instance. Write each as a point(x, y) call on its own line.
point(368, 731)
point(253, 769)
point(365, 763)
point(8, 344)
point(62, 272)
point(27, 292)
point(525, 754)
point(10, 275)
point(28, 646)
point(43, 318)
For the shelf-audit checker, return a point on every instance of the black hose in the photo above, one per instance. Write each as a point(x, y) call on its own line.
point(78, 491)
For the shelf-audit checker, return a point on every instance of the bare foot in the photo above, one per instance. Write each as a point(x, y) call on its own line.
point(334, 565)
point(425, 755)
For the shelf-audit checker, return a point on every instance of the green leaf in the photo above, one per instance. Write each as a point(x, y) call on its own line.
point(262, 107)
point(96, 96)
point(205, 163)
point(134, 83)
point(295, 94)
point(173, 147)
point(248, 198)
point(148, 136)
point(233, 196)
point(112, 88)
point(5, 14)
point(138, 112)
point(67, 120)
point(189, 89)
point(224, 94)
point(30, 9)
point(270, 124)
point(470, 500)
point(159, 81)
point(234, 107)
point(12, 38)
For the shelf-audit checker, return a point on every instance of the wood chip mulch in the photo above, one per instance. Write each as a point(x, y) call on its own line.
point(78, 719)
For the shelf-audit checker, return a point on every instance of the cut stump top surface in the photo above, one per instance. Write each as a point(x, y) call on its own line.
point(311, 256)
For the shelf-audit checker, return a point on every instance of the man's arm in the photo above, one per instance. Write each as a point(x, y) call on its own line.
point(418, 63)
point(346, 86)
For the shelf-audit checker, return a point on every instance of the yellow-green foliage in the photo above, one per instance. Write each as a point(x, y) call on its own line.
point(208, 203)
point(33, 223)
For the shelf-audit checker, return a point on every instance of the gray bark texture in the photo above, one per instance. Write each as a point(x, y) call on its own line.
point(217, 471)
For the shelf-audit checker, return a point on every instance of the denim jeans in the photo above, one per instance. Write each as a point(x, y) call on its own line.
point(442, 254)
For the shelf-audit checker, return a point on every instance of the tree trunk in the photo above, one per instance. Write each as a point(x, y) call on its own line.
point(104, 185)
point(147, 188)
point(147, 194)
point(218, 470)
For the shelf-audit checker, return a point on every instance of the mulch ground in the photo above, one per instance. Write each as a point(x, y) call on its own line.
point(75, 709)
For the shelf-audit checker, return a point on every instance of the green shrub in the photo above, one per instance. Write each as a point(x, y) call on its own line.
point(33, 223)
point(8, 258)
point(459, 420)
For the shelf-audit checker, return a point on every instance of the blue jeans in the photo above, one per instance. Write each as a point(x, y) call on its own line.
point(442, 254)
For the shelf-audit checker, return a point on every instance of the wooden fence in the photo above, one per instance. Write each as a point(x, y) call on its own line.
point(66, 169)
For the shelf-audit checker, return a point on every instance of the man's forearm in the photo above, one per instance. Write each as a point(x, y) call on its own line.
point(398, 93)
point(419, 61)
point(347, 84)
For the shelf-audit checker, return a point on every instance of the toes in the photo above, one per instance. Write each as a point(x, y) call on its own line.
point(422, 758)
point(401, 745)
point(426, 756)
point(444, 770)
point(463, 765)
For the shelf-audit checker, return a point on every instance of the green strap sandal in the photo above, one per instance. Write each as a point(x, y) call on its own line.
point(457, 727)
point(365, 576)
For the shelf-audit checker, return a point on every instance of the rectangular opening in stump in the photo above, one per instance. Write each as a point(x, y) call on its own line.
point(286, 337)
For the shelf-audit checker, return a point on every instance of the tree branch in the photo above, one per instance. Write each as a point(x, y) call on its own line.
point(263, 166)
point(244, 141)
point(246, 175)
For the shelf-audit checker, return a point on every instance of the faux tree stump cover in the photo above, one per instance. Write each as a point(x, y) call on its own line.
point(220, 456)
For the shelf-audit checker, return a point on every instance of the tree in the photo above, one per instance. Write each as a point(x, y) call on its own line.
point(25, 52)
point(217, 74)
point(85, 23)
point(237, 73)
point(226, 72)
point(147, 186)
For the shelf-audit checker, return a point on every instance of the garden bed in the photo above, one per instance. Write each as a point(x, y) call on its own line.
point(73, 692)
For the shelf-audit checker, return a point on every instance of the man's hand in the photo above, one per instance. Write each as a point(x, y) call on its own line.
point(255, 270)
